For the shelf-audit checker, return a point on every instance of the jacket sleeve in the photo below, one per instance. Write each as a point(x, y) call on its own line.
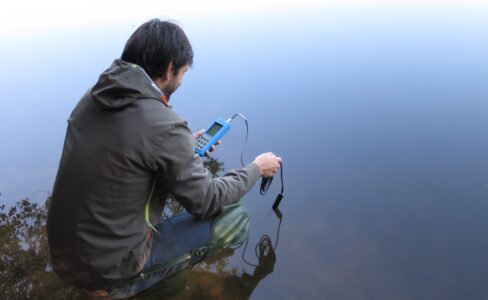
point(181, 172)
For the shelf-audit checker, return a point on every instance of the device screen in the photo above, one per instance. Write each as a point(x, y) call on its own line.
point(214, 129)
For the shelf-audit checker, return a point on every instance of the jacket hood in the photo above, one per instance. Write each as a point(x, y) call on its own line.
point(122, 84)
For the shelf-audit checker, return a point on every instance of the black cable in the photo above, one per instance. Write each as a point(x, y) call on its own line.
point(264, 247)
point(243, 255)
point(277, 234)
point(247, 134)
point(265, 184)
point(266, 181)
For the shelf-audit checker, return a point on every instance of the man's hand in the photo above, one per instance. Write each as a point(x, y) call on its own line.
point(268, 164)
point(198, 134)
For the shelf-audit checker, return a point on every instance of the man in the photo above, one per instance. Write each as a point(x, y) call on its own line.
point(125, 150)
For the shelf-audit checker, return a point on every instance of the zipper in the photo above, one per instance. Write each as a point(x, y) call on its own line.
point(146, 211)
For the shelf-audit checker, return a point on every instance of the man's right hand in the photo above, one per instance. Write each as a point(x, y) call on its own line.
point(268, 164)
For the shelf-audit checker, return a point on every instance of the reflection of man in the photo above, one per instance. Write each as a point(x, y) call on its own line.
point(218, 284)
point(124, 151)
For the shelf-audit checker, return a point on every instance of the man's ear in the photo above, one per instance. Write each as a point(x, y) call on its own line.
point(169, 71)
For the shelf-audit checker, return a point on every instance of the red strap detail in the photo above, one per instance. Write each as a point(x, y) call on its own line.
point(165, 101)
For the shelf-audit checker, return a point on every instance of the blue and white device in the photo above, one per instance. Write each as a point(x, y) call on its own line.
point(211, 136)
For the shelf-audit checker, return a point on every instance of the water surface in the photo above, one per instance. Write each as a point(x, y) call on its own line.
point(378, 112)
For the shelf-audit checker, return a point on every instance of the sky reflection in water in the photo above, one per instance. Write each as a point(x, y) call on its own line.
point(379, 114)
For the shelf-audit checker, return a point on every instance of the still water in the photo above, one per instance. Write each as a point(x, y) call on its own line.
point(379, 113)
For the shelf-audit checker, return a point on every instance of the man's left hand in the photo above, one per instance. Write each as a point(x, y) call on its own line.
point(198, 134)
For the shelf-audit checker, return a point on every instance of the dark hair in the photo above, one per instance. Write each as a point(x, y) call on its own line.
point(155, 44)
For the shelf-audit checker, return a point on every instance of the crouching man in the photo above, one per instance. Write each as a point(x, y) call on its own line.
point(125, 151)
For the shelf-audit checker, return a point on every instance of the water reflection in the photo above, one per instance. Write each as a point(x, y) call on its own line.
point(211, 280)
point(26, 273)
point(215, 278)
point(379, 114)
point(25, 270)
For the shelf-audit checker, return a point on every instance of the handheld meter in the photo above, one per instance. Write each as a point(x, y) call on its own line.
point(211, 136)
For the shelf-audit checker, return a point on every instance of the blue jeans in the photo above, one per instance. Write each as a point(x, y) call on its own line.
point(176, 237)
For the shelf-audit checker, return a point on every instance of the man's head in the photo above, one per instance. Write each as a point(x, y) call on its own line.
point(161, 49)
